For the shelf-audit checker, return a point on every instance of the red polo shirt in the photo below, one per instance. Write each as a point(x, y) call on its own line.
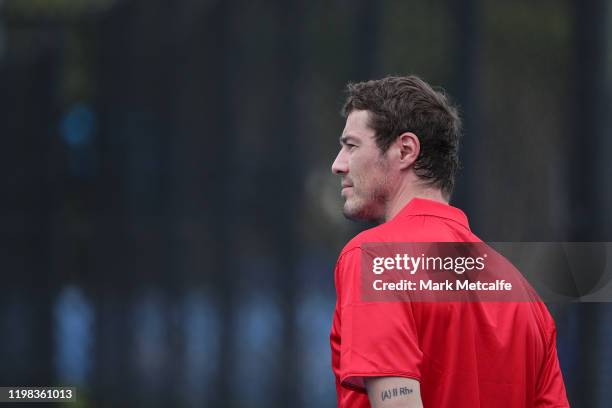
point(478, 354)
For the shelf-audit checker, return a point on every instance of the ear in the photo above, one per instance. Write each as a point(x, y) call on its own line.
point(409, 148)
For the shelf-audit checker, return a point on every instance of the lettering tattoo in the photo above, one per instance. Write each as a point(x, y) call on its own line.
point(395, 392)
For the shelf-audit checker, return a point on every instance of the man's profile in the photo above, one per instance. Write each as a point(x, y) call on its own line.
point(397, 164)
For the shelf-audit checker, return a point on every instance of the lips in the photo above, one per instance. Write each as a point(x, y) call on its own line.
point(345, 188)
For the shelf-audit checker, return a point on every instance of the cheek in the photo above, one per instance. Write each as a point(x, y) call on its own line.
point(358, 173)
point(378, 175)
point(365, 170)
point(366, 179)
point(359, 165)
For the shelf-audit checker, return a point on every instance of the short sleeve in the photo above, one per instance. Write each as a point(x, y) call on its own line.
point(551, 390)
point(378, 338)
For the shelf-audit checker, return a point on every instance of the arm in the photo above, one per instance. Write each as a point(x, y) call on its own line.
point(393, 392)
point(551, 389)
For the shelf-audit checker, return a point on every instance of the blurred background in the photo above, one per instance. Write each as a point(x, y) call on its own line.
point(169, 219)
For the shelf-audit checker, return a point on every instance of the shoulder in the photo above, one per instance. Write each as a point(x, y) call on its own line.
point(350, 256)
point(380, 233)
point(546, 322)
point(414, 228)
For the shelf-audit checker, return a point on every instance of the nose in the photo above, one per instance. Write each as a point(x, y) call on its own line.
point(339, 166)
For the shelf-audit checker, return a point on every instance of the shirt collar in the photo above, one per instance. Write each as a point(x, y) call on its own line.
point(422, 206)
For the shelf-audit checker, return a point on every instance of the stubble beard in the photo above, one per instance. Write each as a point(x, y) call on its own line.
point(369, 203)
point(367, 206)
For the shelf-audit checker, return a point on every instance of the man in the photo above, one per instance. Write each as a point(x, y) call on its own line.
point(397, 163)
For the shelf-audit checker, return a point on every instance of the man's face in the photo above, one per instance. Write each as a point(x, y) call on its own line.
point(364, 170)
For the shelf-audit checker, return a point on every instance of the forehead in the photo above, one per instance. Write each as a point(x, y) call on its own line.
point(357, 126)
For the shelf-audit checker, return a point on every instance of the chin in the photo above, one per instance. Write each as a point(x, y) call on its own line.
point(360, 213)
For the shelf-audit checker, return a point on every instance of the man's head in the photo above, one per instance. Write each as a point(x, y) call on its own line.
point(399, 134)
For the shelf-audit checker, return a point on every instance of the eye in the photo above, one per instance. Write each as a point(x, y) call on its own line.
point(350, 146)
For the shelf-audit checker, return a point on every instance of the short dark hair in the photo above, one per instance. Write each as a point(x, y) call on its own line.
point(409, 104)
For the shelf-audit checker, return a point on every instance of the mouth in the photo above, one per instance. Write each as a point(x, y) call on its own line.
point(345, 186)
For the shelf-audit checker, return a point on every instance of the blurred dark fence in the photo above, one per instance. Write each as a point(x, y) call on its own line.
point(170, 223)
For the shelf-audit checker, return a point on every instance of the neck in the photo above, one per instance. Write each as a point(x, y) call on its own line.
point(406, 194)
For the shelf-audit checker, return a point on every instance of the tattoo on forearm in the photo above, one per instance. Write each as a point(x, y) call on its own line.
point(395, 392)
